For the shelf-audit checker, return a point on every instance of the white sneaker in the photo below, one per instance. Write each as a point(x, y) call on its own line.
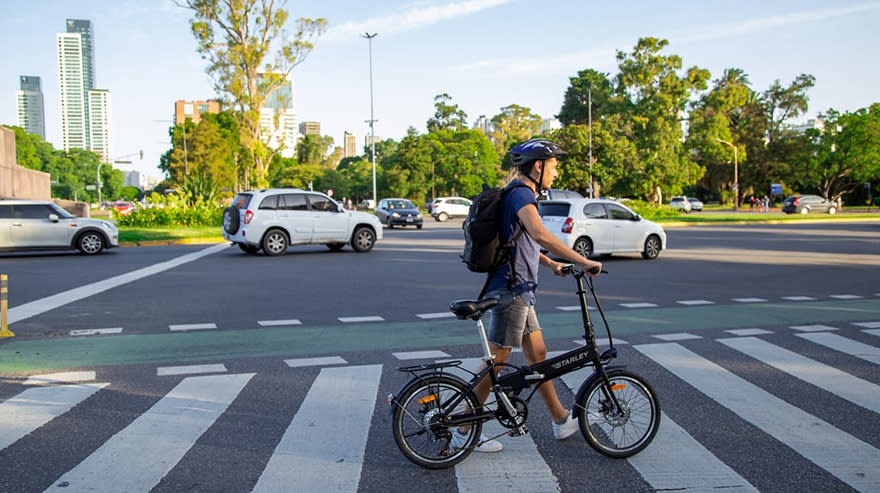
point(566, 429)
point(459, 439)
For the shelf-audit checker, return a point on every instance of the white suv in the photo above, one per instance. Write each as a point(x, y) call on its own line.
point(272, 219)
point(42, 225)
point(445, 207)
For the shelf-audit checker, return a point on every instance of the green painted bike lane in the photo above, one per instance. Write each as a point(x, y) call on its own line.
point(30, 355)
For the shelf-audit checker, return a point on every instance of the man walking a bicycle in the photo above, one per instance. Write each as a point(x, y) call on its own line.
point(514, 322)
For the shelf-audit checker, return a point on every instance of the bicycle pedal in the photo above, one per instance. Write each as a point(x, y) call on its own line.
point(518, 432)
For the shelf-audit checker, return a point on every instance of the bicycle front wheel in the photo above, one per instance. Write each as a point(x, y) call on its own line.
point(614, 431)
point(418, 426)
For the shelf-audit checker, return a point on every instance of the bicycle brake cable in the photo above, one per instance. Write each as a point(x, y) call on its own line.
point(601, 312)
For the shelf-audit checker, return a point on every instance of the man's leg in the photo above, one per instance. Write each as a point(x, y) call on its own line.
point(535, 351)
point(485, 386)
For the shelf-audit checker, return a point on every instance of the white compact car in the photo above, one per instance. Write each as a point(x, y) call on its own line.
point(42, 225)
point(442, 208)
point(601, 227)
point(273, 219)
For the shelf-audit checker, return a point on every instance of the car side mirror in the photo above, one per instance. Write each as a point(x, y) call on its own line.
point(53, 217)
point(636, 217)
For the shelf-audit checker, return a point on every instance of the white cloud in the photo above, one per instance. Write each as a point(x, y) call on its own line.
point(411, 18)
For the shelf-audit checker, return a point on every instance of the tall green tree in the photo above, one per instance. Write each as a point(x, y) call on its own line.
point(514, 124)
point(448, 116)
point(654, 98)
point(249, 59)
point(586, 86)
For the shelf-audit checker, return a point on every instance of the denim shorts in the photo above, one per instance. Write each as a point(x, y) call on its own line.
point(512, 318)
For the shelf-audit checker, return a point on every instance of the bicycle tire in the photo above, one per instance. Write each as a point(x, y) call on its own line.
point(420, 437)
point(606, 431)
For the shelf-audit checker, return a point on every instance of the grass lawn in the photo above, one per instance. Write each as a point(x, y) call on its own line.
point(134, 235)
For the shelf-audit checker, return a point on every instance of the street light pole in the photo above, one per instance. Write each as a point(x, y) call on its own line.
point(735, 174)
point(590, 123)
point(372, 119)
point(99, 182)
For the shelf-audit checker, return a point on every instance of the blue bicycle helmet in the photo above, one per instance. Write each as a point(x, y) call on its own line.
point(534, 150)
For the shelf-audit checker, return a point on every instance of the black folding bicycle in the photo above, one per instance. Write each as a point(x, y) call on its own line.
point(617, 411)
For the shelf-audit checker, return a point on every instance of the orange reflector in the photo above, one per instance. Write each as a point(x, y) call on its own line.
point(425, 400)
point(619, 386)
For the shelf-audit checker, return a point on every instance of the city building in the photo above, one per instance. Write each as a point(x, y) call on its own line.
point(99, 123)
point(310, 128)
point(193, 110)
point(482, 124)
point(278, 119)
point(549, 124)
point(818, 124)
point(72, 92)
point(29, 105)
point(349, 145)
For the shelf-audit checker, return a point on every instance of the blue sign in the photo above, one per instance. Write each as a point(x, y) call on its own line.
point(776, 189)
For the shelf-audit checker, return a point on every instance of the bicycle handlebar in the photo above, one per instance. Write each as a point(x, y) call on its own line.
point(571, 269)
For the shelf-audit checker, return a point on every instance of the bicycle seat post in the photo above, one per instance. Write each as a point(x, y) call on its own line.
point(487, 352)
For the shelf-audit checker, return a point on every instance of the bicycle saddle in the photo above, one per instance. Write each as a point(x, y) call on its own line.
point(471, 308)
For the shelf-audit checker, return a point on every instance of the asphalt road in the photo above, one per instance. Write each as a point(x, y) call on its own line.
point(208, 324)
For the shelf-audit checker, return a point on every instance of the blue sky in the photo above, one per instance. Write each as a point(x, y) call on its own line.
point(485, 54)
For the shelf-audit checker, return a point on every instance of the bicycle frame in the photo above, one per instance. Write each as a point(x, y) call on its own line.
point(528, 375)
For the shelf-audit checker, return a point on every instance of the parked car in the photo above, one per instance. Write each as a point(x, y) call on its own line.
point(696, 204)
point(556, 193)
point(680, 203)
point(272, 219)
point(123, 208)
point(804, 204)
point(42, 225)
point(445, 207)
point(398, 212)
point(601, 227)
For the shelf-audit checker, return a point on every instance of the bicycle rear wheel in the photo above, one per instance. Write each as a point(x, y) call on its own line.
point(618, 432)
point(417, 421)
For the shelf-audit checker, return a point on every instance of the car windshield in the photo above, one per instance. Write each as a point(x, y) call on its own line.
point(61, 212)
point(553, 208)
point(400, 204)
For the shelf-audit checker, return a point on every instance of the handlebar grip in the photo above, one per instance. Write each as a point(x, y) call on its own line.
point(570, 269)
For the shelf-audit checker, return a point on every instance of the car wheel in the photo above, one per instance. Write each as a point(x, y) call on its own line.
point(363, 239)
point(335, 246)
point(652, 248)
point(805, 211)
point(832, 210)
point(230, 220)
point(584, 246)
point(275, 242)
point(250, 249)
point(442, 217)
point(90, 243)
point(419, 226)
point(389, 223)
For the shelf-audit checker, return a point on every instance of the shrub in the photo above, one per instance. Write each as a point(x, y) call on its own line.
point(650, 210)
point(200, 214)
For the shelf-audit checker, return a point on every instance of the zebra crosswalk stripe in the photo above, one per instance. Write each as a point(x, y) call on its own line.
point(846, 457)
point(691, 468)
point(136, 458)
point(36, 406)
point(323, 448)
point(840, 383)
point(844, 345)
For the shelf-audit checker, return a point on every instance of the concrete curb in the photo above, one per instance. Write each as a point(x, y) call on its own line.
point(181, 241)
point(674, 224)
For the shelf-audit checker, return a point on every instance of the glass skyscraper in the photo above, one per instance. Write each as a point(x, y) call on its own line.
point(29, 106)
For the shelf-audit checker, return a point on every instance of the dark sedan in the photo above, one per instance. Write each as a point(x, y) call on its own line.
point(398, 212)
point(804, 204)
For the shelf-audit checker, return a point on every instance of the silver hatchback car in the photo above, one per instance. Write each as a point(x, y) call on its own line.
point(43, 225)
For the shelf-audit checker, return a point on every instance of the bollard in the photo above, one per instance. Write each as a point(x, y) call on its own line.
point(4, 329)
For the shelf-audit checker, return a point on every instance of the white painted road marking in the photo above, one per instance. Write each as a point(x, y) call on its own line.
point(855, 348)
point(749, 300)
point(868, 325)
point(185, 327)
point(431, 316)
point(798, 298)
point(327, 360)
point(139, 456)
point(48, 303)
point(165, 371)
point(348, 320)
point(845, 296)
point(813, 328)
point(323, 448)
point(846, 457)
point(638, 305)
point(695, 302)
point(420, 355)
point(273, 323)
point(748, 332)
point(830, 379)
point(681, 336)
point(37, 406)
point(63, 377)
point(92, 332)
